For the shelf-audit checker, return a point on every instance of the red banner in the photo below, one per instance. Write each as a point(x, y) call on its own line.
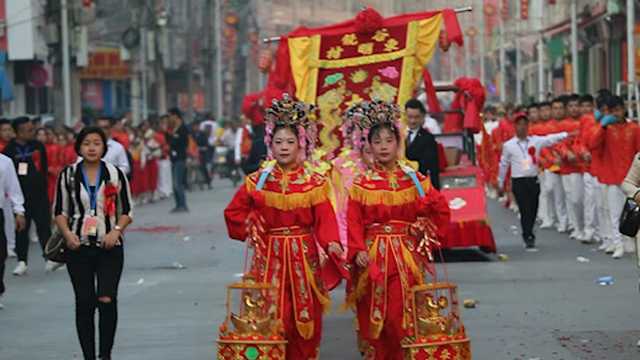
point(105, 64)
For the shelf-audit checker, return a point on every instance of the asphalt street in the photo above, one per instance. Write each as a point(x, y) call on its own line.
point(543, 305)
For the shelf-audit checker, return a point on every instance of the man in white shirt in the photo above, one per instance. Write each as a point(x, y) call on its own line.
point(116, 154)
point(432, 125)
point(210, 126)
point(10, 186)
point(520, 153)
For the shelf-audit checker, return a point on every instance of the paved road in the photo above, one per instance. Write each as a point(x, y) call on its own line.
point(544, 305)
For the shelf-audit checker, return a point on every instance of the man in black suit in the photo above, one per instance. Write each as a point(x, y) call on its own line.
point(420, 145)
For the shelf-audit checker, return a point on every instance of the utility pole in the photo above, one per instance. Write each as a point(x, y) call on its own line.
point(481, 35)
point(190, 61)
point(143, 73)
point(218, 55)
point(66, 67)
point(574, 45)
point(631, 51)
point(503, 67)
point(467, 56)
point(541, 90)
point(518, 56)
point(209, 15)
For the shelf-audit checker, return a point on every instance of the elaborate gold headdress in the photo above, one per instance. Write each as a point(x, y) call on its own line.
point(293, 114)
point(361, 117)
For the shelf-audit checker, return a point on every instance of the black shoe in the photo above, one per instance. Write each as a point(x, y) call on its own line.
point(531, 247)
point(179, 210)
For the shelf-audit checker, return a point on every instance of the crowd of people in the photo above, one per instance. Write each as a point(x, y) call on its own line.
point(563, 162)
point(80, 183)
point(160, 157)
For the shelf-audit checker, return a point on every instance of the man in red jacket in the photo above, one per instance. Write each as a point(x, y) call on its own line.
point(598, 167)
point(618, 140)
point(572, 167)
point(588, 125)
point(552, 176)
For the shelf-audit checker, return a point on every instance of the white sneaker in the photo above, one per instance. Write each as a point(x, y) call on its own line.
point(52, 266)
point(1, 305)
point(575, 234)
point(11, 253)
point(611, 248)
point(546, 225)
point(20, 269)
point(617, 254)
point(629, 245)
point(589, 235)
point(562, 229)
point(604, 245)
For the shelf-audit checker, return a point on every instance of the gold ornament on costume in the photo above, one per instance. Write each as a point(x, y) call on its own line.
point(425, 231)
point(430, 321)
point(368, 114)
point(288, 112)
point(349, 40)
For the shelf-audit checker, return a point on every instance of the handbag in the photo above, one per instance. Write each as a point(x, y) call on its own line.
point(630, 218)
point(55, 247)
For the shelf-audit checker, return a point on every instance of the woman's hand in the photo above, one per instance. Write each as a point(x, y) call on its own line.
point(335, 248)
point(72, 240)
point(111, 239)
point(362, 259)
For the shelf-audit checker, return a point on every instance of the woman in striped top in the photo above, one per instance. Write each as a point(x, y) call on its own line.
point(92, 208)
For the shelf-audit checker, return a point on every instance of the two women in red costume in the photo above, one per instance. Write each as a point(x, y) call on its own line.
point(285, 210)
point(393, 215)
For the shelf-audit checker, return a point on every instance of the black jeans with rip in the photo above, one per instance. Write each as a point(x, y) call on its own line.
point(86, 266)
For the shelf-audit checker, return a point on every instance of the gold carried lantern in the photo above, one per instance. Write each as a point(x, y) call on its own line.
point(253, 330)
point(436, 331)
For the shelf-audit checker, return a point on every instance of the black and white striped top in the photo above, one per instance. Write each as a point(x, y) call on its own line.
point(73, 201)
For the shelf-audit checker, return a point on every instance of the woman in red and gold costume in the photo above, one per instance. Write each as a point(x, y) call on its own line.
point(284, 209)
point(394, 216)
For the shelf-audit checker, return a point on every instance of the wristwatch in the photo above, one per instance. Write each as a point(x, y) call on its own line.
point(118, 227)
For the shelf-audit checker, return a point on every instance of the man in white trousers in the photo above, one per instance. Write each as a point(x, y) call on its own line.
point(588, 121)
point(617, 140)
point(165, 183)
point(547, 212)
point(572, 168)
point(552, 176)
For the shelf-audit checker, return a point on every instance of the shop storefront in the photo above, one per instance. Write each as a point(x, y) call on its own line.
point(105, 84)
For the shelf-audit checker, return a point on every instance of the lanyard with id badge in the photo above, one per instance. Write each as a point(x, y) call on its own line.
point(526, 161)
point(90, 224)
point(23, 165)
